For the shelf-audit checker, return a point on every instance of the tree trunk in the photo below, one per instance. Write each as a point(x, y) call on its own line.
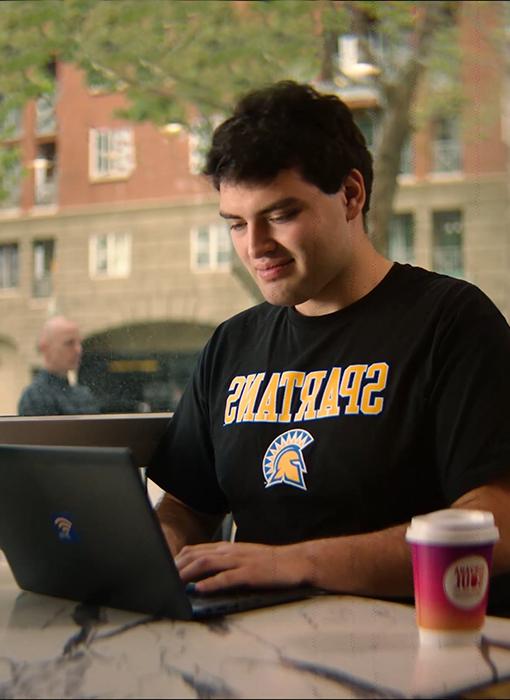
point(395, 130)
point(396, 125)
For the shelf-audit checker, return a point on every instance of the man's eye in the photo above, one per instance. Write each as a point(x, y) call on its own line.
point(237, 225)
point(284, 216)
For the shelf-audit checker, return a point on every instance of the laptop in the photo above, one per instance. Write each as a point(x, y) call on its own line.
point(76, 522)
point(141, 432)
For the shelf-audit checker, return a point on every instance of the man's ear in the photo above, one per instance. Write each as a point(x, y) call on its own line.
point(354, 188)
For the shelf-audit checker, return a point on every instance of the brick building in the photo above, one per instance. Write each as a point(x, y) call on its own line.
point(111, 226)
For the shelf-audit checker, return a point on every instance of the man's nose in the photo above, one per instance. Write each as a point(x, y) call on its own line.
point(260, 240)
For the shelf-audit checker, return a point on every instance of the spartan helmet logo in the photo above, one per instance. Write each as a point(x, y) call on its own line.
point(283, 462)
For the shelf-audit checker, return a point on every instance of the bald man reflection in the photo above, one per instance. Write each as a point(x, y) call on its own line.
point(51, 393)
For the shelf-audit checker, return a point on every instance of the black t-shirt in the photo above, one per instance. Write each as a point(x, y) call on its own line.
point(307, 427)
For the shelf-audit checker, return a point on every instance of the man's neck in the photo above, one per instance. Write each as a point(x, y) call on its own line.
point(361, 277)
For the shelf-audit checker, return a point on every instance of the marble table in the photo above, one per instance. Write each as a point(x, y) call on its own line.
point(327, 647)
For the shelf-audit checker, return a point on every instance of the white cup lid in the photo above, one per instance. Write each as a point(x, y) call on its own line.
point(453, 526)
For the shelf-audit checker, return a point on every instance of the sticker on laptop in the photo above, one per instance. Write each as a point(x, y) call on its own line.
point(64, 527)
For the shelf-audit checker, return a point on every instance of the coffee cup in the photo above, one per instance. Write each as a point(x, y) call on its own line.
point(452, 557)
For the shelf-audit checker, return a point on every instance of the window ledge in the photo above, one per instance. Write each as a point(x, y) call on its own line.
point(43, 210)
point(97, 180)
point(10, 212)
point(139, 432)
point(455, 175)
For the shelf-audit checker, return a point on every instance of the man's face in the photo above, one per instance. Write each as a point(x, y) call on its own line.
point(294, 239)
point(62, 349)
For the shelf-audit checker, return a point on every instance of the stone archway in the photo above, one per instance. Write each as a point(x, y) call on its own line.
point(14, 376)
point(143, 366)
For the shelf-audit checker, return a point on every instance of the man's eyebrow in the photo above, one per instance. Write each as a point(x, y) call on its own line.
point(279, 204)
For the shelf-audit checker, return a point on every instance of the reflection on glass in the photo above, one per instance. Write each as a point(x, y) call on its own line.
point(108, 222)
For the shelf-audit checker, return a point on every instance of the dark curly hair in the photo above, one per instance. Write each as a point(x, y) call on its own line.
point(289, 125)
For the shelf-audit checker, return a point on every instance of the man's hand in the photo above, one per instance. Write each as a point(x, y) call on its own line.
point(221, 565)
point(373, 563)
point(182, 525)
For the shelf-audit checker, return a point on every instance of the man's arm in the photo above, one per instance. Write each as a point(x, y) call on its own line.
point(183, 525)
point(494, 497)
point(377, 563)
point(34, 403)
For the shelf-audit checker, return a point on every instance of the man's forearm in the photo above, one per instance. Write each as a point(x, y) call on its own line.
point(182, 525)
point(377, 563)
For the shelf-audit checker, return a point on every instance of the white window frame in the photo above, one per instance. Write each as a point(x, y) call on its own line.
point(216, 247)
point(13, 272)
point(110, 255)
point(42, 273)
point(111, 153)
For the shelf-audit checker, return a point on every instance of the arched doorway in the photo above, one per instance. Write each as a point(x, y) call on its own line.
point(141, 367)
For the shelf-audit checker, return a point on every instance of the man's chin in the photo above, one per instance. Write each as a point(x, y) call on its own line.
point(281, 297)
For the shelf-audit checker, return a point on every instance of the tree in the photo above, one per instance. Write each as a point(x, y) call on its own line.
point(186, 61)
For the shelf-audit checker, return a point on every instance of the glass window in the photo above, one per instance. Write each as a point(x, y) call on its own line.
point(9, 266)
point(112, 153)
point(401, 238)
point(11, 121)
point(43, 255)
point(407, 159)
point(368, 121)
point(45, 174)
point(110, 255)
point(10, 184)
point(211, 248)
point(197, 145)
point(125, 237)
point(448, 257)
point(446, 149)
point(45, 105)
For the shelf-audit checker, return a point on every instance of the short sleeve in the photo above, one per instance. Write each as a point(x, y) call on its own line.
point(470, 393)
point(183, 463)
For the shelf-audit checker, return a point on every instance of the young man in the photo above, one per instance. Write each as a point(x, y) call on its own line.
point(51, 393)
point(359, 394)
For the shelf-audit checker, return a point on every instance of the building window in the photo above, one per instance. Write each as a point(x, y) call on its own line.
point(407, 159)
point(197, 146)
point(211, 248)
point(11, 121)
point(45, 174)
point(448, 250)
point(43, 257)
point(446, 150)
point(368, 121)
point(199, 141)
point(45, 105)
point(401, 238)
point(45, 115)
point(110, 255)
point(9, 266)
point(10, 182)
point(112, 153)
point(352, 58)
